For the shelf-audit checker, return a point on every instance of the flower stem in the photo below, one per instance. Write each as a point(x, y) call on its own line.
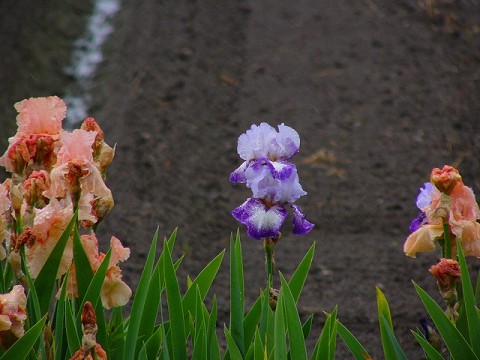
point(268, 245)
point(447, 245)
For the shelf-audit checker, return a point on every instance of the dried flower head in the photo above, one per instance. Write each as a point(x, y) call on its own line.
point(446, 271)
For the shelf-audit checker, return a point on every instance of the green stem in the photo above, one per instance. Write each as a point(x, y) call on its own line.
point(269, 261)
point(447, 244)
point(18, 222)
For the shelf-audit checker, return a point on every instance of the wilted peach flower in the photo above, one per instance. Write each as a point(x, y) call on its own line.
point(446, 271)
point(81, 354)
point(445, 179)
point(459, 210)
point(114, 291)
point(90, 348)
point(35, 185)
point(75, 174)
point(102, 153)
point(49, 224)
point(39, 122)
point(12, 316)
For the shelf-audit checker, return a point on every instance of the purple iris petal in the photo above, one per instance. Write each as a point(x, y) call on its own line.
point(290, 189)
point(301, 225)
point(424, 198)
point(287, 141)
point(281, 170)
point(260, 180)
point(256, 142)
point(416, 223)
point(276, 182)
point(238, 176)
point(264, 141)
point(262, 221)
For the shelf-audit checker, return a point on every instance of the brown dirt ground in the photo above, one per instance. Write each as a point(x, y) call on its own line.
point(380, 92)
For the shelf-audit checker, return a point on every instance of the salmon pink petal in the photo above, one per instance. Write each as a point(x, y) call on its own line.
point(76, 146)
point(40, 115)
point(90, 245)
point(469, 234)
point(464, 205)
point(12, 310)
point(49, 224)
point(119, 252)
point(93, 182)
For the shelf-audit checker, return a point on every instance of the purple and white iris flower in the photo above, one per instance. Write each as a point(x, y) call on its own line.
point(424, 199)
point(273, 180)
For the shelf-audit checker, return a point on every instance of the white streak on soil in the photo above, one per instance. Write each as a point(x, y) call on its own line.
point(86, 57)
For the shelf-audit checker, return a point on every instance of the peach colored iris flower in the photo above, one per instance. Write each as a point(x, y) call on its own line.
point(49, 224)
point(114, 291)
point(461, 210)
point(12, 316)
point(75, 172)
point(39, 122)
point(40, 115)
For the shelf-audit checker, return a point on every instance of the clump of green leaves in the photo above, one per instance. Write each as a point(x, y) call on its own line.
point(460, 337)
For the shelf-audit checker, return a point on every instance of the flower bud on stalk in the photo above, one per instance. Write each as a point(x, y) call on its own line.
point(15, 261)
point(431, 334)
point(447, 272)
point(16, 197)
point(272, 301)
point(90, 349)
point(34, 187)
point(445, 179)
